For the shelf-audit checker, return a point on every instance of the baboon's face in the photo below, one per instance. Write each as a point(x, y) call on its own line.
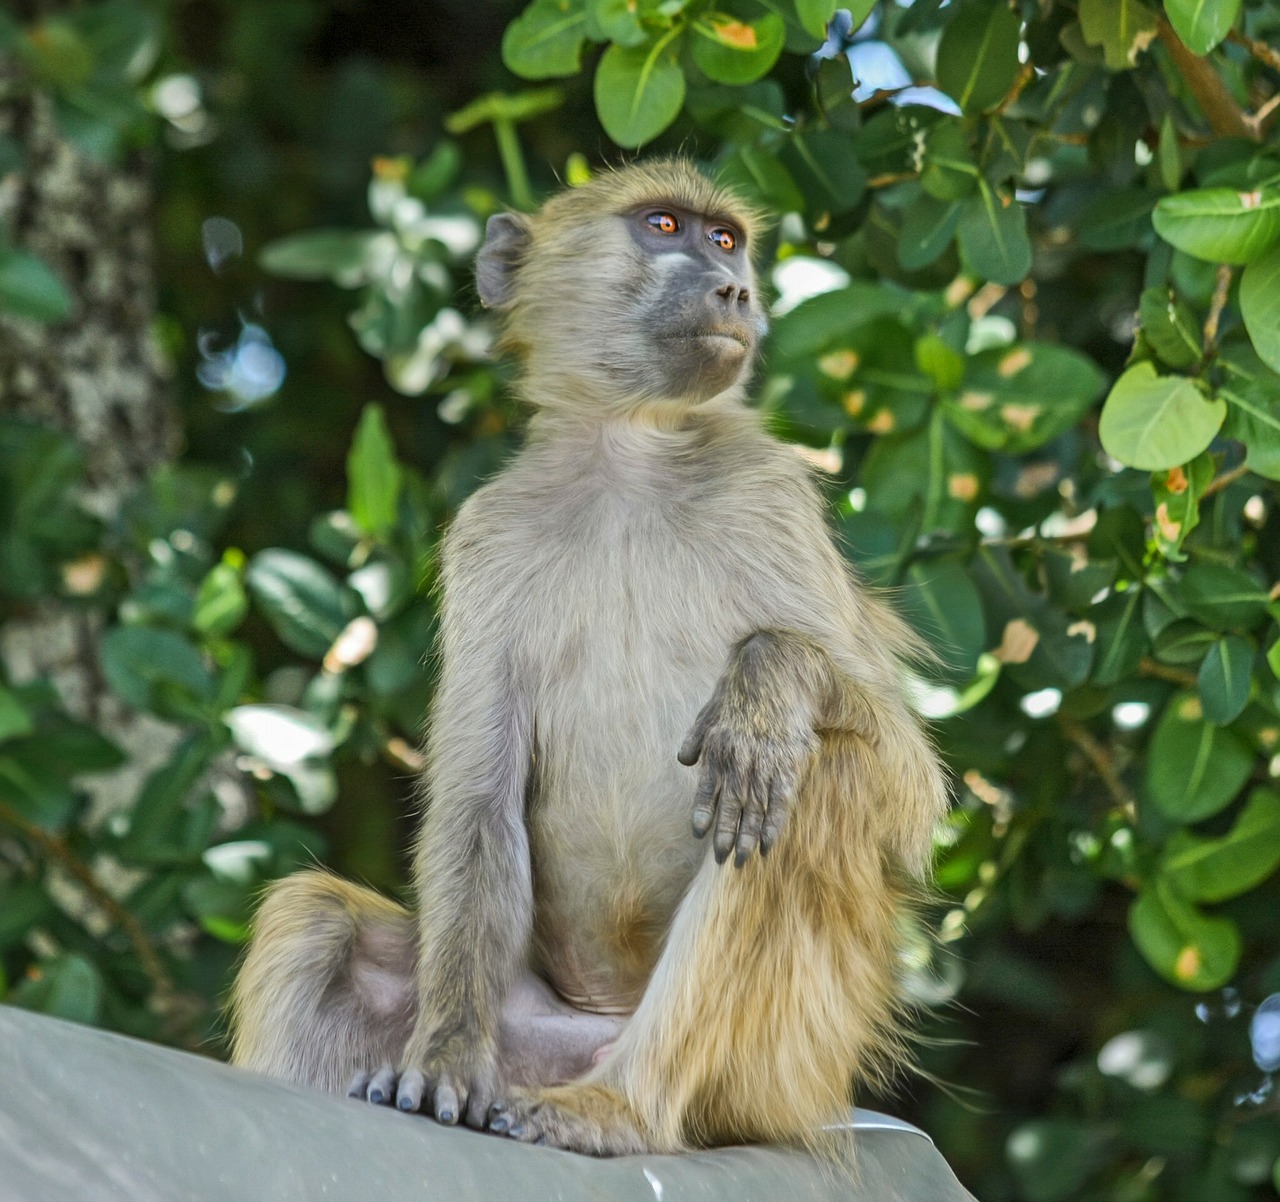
point(653, 301)
point(692, 294)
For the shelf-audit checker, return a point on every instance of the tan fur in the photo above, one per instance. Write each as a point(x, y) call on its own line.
point(643, 562)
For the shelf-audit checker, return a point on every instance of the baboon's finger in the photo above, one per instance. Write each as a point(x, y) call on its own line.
point(704, 802)
point(691, 748)
point(729, 813)
point(779, 803)
point(412, 1089)
point(752, 819)
point(359, 1086)
point(383, 1086)
point(445, 1104)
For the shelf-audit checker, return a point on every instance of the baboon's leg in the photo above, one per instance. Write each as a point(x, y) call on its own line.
point(328, 989)
point(775, 991)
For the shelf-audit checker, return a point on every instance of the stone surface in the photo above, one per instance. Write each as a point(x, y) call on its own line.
point(88, 1114)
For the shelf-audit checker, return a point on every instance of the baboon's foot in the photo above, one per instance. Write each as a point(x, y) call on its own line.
point(579, 1118)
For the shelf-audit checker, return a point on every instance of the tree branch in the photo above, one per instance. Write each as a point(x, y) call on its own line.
point(57, 850)
point(1225, 480)
point(1225, 116)
point(1158, 671)
point(1260, 50)
point(1100, 760)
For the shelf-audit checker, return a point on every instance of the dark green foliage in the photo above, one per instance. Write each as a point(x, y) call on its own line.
point(1034, 341)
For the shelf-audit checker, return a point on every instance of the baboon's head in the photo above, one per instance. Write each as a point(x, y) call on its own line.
point(634, 288)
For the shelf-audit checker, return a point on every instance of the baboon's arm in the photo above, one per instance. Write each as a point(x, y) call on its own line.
point(757, 736)
point(472, 867)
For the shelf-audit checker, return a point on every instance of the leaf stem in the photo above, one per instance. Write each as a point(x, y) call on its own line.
point(512, 157)
point(1221, 289)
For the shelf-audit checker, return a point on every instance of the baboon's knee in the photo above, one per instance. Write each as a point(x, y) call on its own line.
point(308, 906)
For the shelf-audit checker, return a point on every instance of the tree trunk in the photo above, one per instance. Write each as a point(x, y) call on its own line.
point(99, 376)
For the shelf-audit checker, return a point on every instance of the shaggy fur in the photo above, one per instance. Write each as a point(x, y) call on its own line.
point(650, 576)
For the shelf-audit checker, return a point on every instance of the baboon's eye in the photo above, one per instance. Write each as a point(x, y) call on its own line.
point(664, 223)
point(723, 238)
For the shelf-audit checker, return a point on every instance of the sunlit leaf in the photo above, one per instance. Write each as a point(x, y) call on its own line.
point(1157, 422)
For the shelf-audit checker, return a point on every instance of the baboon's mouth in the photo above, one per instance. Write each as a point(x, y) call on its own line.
point(722, 333)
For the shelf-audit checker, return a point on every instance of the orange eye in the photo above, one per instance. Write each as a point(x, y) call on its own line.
point(664, 223)
point(723, 238)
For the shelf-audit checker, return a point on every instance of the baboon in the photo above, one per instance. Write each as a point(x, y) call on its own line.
point(647, 637)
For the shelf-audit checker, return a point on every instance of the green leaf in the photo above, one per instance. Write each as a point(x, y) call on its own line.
point(1051, 1158)
point(993, 236)
point(1180, 943)
point(1117, 219)
point(374, 477)
point(1223, 597)
point(1170, 326)
point(14, 719)
point(546, 39)
point(143, 665)
point(1038, 643)
point(1253, 417)
point(824, 165)
point(759, 176)
point(23, 905)
point(887, 392)
point(1214, 870)
point(1194, 769)
point(814, 14)
point(1016, 398)
point(931, 469)
point(29, 288)
point(338, 255)
point(815, 324)
point(978, 56)
point(66, 986)
point(1220, 225)
point(1157, 422)
point(1123, 28)
point(928, 225)
point(731, 51)
point(942, 602)
point(1202, 24)
point(1176, 494)
point(221, 602)
point(1223, 683)
point(948, 168)
point(1121, 639)
point(939, 361)
point(1169, 155)
point(306, 607)
point(157, 817)
point(1183, 643)
point(1260, 304)
point(615, 21)
point(639, 91)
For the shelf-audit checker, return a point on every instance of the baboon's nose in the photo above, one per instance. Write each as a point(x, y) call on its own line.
point(733, 296)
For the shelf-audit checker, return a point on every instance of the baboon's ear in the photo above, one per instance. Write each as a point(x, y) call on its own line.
point(506, 238)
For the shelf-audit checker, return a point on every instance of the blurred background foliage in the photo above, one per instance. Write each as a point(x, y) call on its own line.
point(1026, 273)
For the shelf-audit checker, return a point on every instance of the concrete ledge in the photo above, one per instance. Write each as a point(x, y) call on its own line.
point(88, 1114)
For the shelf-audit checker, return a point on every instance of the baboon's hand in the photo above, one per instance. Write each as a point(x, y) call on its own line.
point(454, 1084)
point(754, 754)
